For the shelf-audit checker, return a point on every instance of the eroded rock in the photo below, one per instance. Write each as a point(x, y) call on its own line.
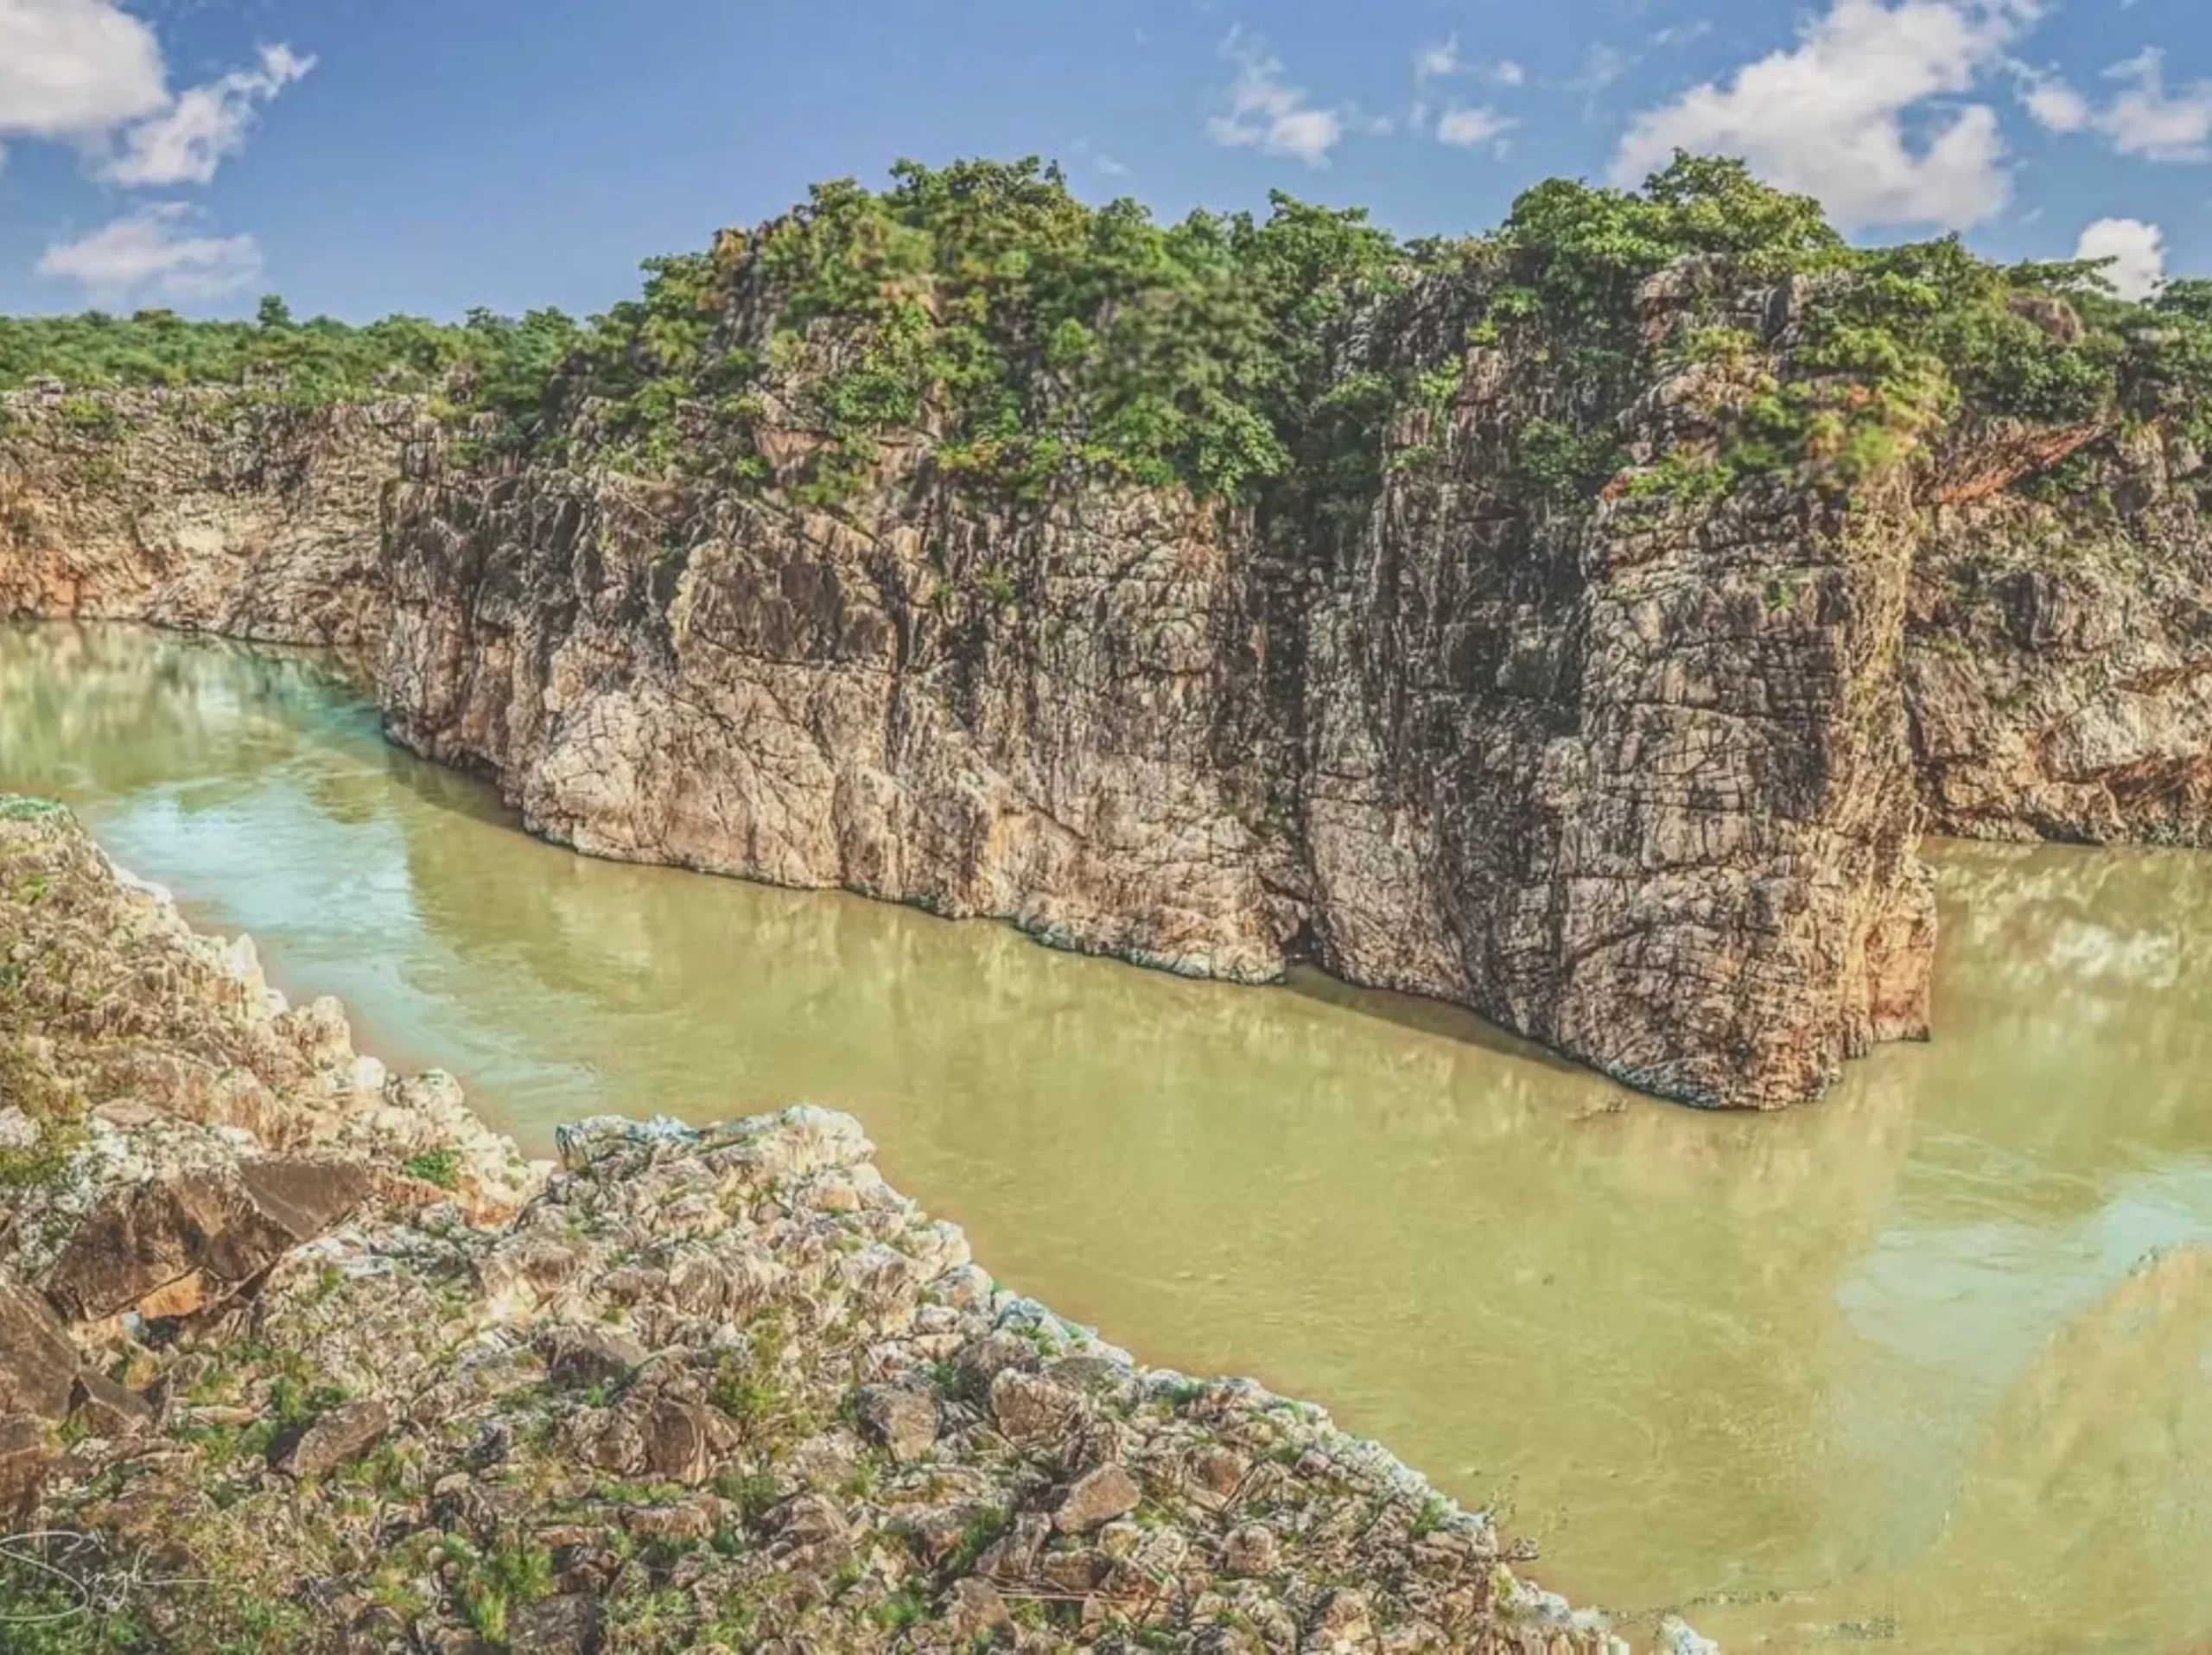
point(1096, 1498)
point(716, 1389)
point(331, 1439)
point(171, 1247)
point(38, 1364)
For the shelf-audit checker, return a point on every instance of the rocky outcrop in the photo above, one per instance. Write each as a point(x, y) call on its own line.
point(210, 509)
point(720, 1390)
point(2058, 660)
point(1590, 775)
point(1636, 767)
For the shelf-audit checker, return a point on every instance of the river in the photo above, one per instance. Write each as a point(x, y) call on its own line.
point(1928, 1362)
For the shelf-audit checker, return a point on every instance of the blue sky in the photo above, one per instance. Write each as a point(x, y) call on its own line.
point(367, 155)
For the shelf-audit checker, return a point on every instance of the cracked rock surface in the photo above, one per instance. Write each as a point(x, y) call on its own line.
point(1640, 776)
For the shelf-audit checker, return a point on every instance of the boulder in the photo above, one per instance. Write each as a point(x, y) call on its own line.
point(902, 1419)
point(37, 1362)
point(331, 1440)
point(568, 1625)
point(582, 1356)
point(1251, 1550)
point(974, 1612)
point(1031, 1409)
point(107, 1409)
point(678, 1440)
point(1214, 1475)
point(1095, 1499)
point(193, 1239)
point(982, 1361)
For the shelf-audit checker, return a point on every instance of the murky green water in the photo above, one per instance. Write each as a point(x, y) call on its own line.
point(1889, 1366)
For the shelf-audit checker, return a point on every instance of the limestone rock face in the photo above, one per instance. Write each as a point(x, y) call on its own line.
point(1638, 775)
point(208, 510)
point(1636, 782)
point(787, 695)
point(2058, 662)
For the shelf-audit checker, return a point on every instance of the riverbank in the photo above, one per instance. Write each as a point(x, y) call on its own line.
point(299, 1354)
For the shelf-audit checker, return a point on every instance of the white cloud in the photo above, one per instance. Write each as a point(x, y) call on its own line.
point(151, 251)
point(1829, 117)
point(2143, 119)
point(203, 127)
point(2146, 119)
point(1111, 167)
point(1465, 127)
point(71, 69)
point(1507, 73)
point(1435, 61)
point(2050, 101)
point(2137, 251)
point(1601, 66)
point(1267, 113)
point(90, 74)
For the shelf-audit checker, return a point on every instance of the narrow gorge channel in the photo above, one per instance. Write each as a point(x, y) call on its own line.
point(1923, 1359)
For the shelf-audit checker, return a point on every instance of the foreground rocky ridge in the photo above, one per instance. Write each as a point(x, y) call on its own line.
point(1639, 774)
point(295, 1354)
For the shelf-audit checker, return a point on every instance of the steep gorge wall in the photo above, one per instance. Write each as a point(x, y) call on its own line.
point(210, 509)
point(1643, 780)
point(2058, 656)
point(1630, 780)
point(1584, 773)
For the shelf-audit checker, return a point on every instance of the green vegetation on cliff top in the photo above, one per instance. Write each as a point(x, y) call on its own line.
point(1025, 331)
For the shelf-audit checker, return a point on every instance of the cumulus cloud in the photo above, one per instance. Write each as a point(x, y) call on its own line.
point(88, 72)
point(2145, 119)
point(1845, 114)
point(1465, 127)
point(71, 69)
point(203, 127)
point(1266, 114)
point(154, 251)
point(2137, 253)
point(2051, 103)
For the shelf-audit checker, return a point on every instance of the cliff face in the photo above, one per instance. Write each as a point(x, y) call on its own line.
point(1635, 783)
point(1014, 715)
point(207, 509)
point(2058, 659)
point(1618, 740)
point(1632, 781)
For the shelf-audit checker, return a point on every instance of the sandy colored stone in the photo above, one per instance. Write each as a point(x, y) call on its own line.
point(38, 1364)
point(330, 1440)
point(1095, 1499)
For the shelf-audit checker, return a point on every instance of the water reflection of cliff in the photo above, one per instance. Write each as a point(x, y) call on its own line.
point(126, 707)
point(1699, 1354)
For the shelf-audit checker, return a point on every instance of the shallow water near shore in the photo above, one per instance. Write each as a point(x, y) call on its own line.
point(1927, 1364)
